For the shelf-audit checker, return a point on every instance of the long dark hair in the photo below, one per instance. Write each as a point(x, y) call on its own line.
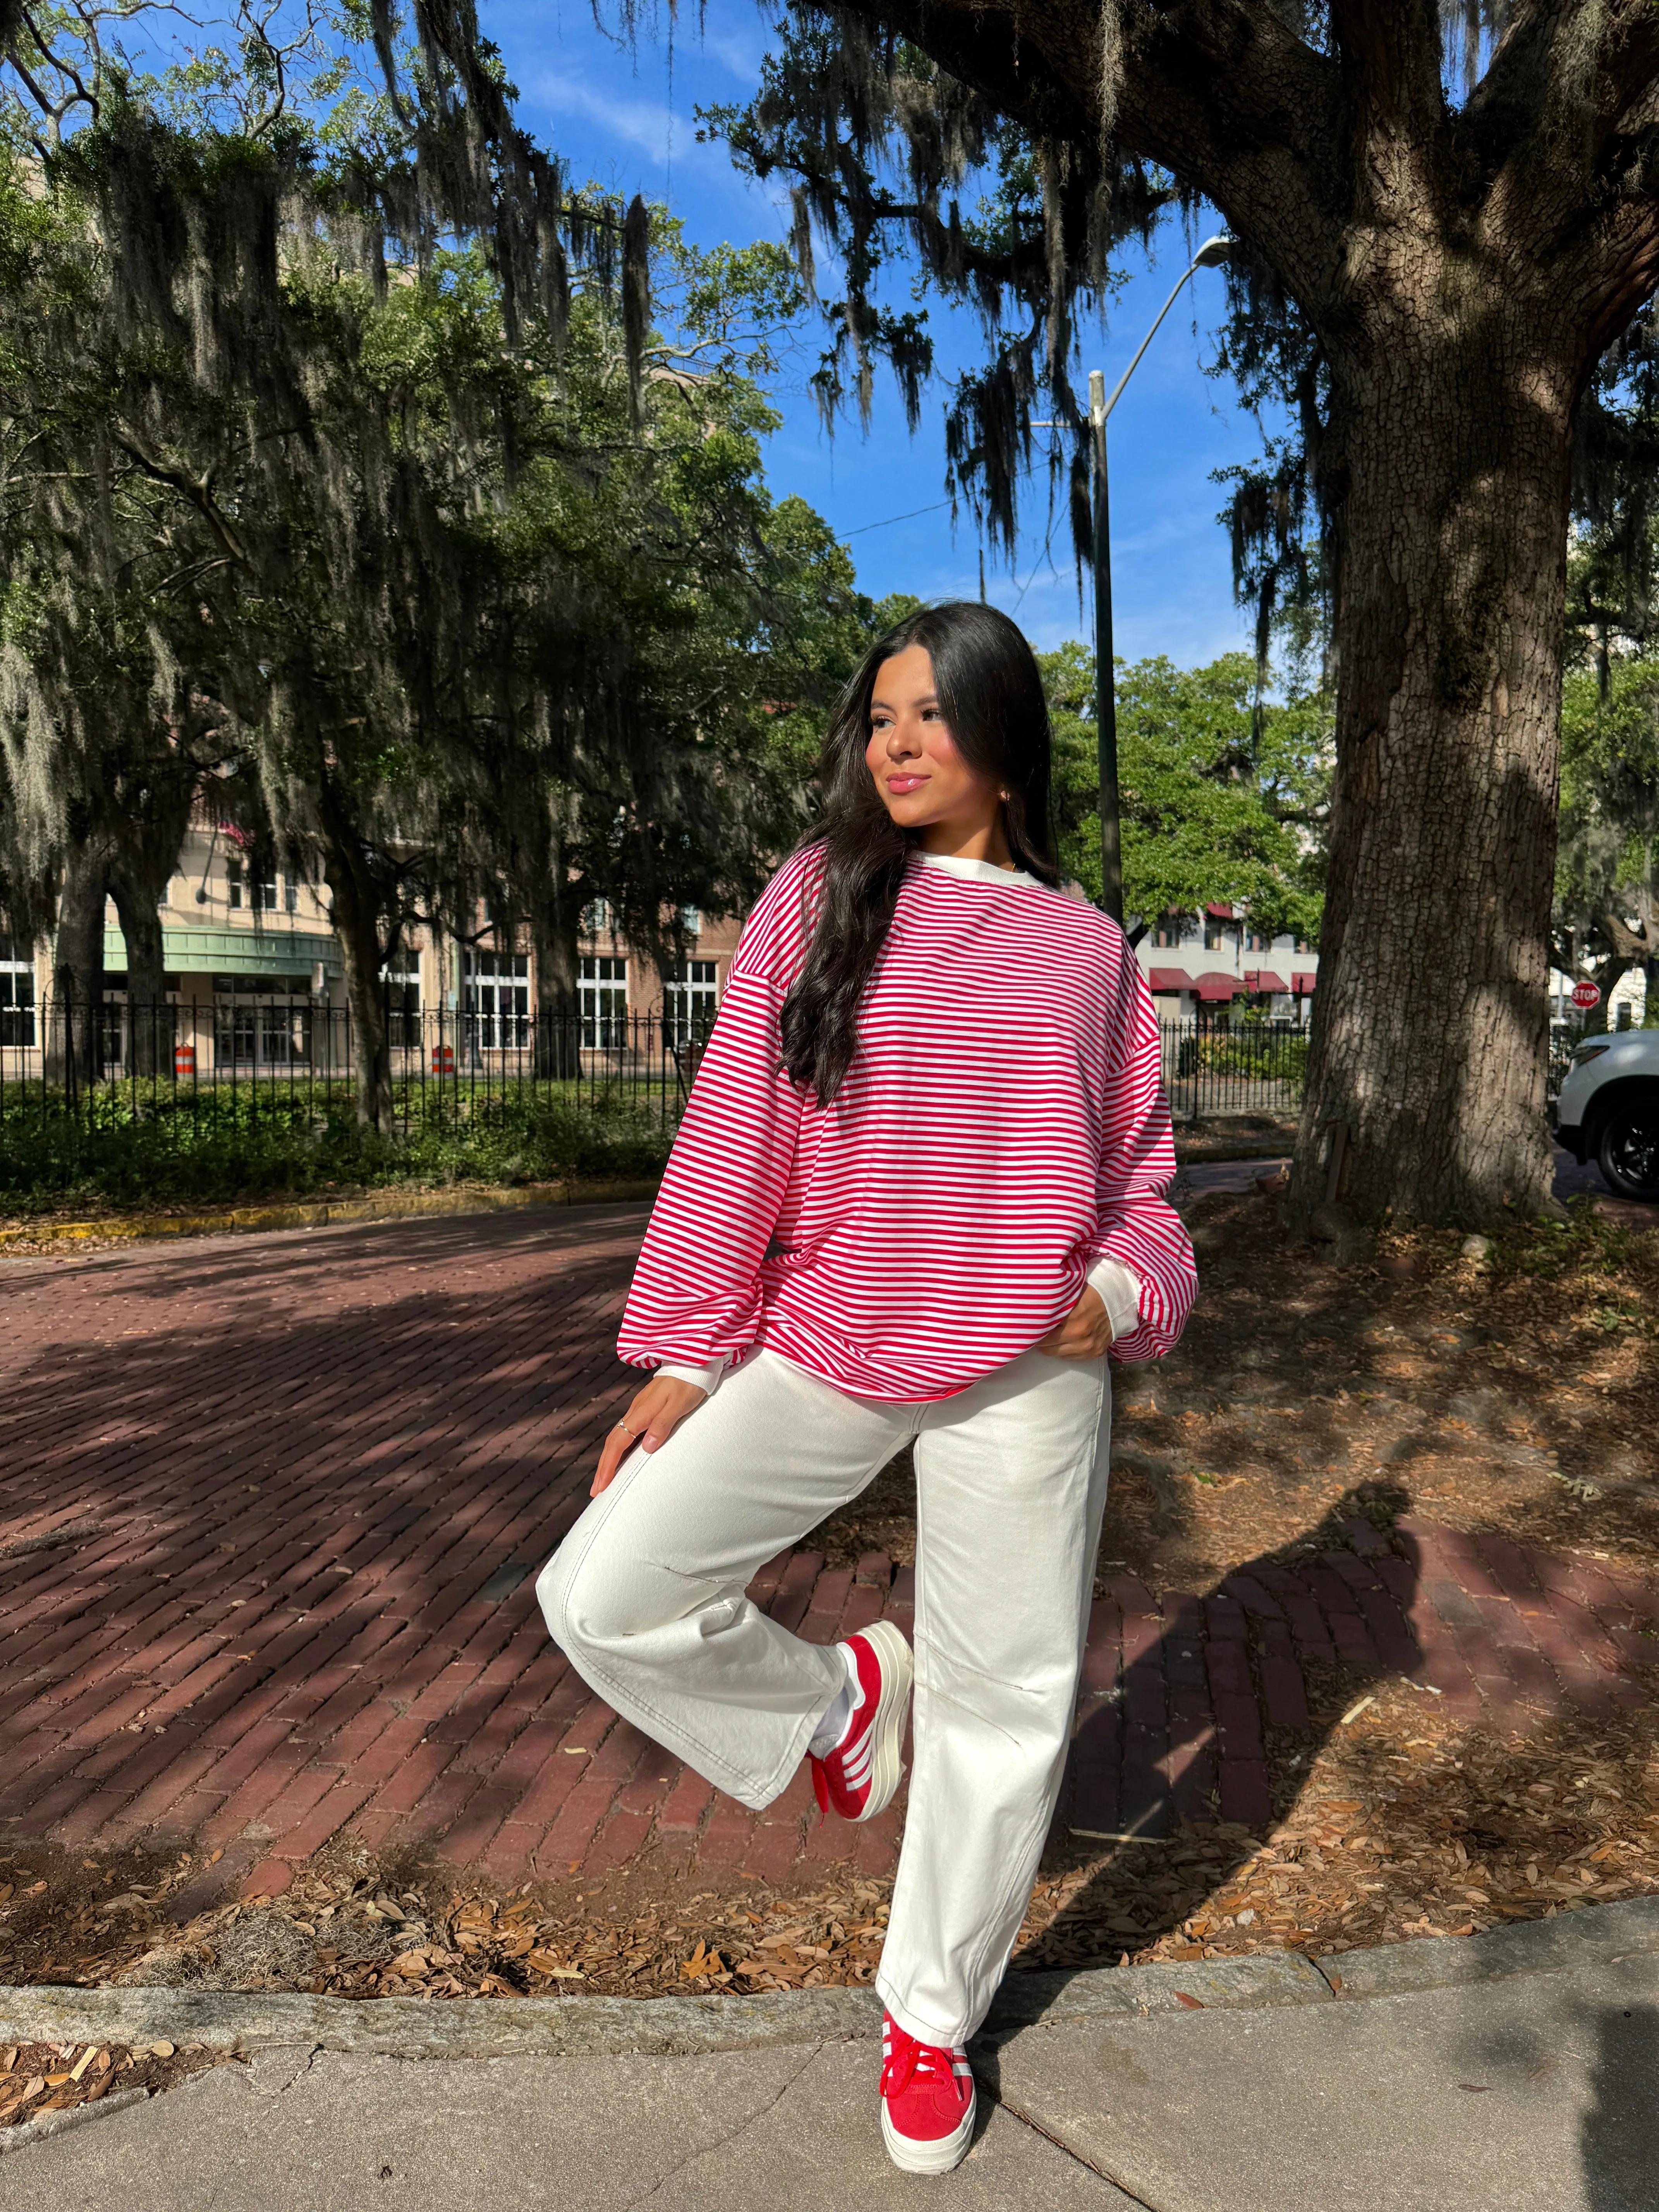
point(989, 691)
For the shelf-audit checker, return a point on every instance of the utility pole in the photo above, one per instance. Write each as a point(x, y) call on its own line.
point(1212, 251)
point(1111, 842)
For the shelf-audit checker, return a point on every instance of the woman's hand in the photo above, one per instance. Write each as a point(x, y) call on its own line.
point(652, 1417)
point(1086, 1333)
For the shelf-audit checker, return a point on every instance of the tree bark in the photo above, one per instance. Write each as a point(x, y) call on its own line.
point(555, 918)
point(1432, 1018)
point(74, 1050)
point(150, 1019)
point(144, 851)
point(355, 898)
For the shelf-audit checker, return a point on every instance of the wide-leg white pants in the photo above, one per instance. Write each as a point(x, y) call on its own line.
point(646, 1596)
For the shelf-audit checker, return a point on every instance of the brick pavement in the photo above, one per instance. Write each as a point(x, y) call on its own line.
point(270, 1517)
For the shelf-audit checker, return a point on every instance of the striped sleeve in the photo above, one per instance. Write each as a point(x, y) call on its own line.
point(1137, 1226)
point(696, 1291)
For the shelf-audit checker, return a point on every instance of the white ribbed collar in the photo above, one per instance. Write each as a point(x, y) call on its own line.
point(979, 871)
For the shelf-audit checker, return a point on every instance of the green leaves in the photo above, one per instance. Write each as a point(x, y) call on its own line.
point(1213, 809)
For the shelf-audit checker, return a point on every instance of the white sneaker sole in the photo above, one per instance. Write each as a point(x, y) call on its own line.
point(887, 1729)
point(939, 2157)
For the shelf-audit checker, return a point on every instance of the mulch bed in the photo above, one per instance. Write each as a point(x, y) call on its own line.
point(1518, 1392)
point(49, 2077)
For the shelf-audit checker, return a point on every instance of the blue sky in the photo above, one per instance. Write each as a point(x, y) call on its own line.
point(625, 117)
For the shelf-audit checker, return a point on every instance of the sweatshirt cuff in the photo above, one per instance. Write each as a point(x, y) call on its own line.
point(707, 1377)
point(1120, 1293)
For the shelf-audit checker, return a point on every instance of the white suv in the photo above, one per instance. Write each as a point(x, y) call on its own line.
point(1608, 1110)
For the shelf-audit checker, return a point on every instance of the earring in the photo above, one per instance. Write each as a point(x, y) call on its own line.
point(1005, 794)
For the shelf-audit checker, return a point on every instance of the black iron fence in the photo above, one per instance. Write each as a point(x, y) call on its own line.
point(170, 1099)
point(234, 1061)
point(1235, 1064)
point(63, 1051)
point(216, 1098)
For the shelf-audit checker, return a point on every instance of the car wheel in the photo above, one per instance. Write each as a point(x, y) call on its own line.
point(1628, 1154)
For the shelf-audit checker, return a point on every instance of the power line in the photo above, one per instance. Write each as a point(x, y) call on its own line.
point(1038, 563)
point(892, 518)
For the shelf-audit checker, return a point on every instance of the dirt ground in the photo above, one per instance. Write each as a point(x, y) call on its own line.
point(1514, 1389)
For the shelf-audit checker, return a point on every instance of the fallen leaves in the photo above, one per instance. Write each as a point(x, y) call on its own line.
point(550, 1964)
point(49, 2077)
point(1391, 1837)
point(705, 1965)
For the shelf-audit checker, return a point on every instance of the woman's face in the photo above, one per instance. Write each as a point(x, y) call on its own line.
point(924, 782)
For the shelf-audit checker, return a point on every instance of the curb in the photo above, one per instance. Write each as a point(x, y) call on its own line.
point(613, 2028)
point(323, 1213)
point(53, 2123)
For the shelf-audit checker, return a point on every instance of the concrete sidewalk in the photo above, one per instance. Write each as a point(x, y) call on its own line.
point(1529, 2092)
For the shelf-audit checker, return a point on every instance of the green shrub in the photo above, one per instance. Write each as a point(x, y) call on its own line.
point(136, 1142)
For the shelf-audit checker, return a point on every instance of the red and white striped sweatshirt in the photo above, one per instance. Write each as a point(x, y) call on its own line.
point(1002, 1129)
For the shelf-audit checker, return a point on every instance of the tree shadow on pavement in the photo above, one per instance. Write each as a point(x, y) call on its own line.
point(1618, 2135)
point(1202, 1719)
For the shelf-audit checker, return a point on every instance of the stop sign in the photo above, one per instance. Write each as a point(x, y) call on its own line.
point(1586, 996)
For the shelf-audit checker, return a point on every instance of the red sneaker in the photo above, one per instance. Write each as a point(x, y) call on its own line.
point(857, 1779)
point(926, 2102)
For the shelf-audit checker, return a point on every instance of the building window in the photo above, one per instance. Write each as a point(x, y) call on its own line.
point(497, 1001)
point(604, 1002)
point(264, 894)
point(690, 1001)
point(291, 894)
point(16, 995)
point(233, 882)
point(596, 918)
point(402, 986)
point(691, 920)
point(1211, 934)
point(262, 1036)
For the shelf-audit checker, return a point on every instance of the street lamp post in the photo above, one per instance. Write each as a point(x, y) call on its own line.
point(1213, 250)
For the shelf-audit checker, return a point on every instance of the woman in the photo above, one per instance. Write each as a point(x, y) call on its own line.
point(915, 1195)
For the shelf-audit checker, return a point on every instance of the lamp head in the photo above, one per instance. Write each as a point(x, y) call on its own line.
point(1214, 250)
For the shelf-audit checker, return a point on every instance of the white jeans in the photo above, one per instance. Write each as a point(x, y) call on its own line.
point(646, 1596)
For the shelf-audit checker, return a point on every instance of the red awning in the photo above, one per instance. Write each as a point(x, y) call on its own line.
point(1263, 979)
point(1220, 910)
point(1217, 985)
point(1170, 978)
point(1305, 982)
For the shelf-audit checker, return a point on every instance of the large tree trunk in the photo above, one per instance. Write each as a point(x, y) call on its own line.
point(150, 1019)
point(144, 857)
point(75, 1018)
point(1425, 1081)
point(555, 922)
point(357, 903)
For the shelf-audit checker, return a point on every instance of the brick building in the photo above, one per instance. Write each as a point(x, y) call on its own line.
point(251, 961)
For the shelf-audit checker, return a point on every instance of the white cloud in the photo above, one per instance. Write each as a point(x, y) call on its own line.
point(741, 55)
point(650, 125)
point(667, 137)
